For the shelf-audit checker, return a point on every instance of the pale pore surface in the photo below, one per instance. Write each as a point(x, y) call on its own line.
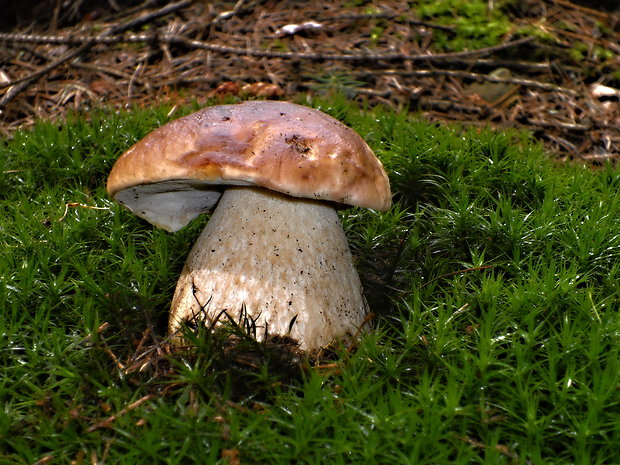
point(282, 258)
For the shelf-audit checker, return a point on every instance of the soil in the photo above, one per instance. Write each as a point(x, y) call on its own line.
point(60, 56)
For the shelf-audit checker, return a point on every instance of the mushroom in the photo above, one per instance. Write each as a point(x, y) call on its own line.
point(273, 251)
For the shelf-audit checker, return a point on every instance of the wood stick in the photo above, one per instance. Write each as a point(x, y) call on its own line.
point(114, 39)
point(349, 57)
point(108, 421)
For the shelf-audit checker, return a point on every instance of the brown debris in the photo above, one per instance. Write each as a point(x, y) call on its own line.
point(500, 448)
point(109, 421)
point(144, 52)
point(231, 456)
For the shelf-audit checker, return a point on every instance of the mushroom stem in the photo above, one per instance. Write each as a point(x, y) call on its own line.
point(281, 261)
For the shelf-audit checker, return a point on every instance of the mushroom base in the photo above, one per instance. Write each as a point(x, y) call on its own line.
point(282, 262)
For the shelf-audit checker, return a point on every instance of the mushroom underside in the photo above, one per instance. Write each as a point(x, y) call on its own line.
point(172, 205)
point(280, 261)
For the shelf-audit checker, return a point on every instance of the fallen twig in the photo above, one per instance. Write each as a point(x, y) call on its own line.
point(112, 355)
point(77, 205)
point(108, 421)
point(102, 327)
point(171, 39)
point(345, 56)
point(560, 124)
point(224, 15)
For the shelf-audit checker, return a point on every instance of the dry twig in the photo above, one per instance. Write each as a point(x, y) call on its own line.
point(78, 205)
point(213, 47)
point(436, 57)
point(111, 419)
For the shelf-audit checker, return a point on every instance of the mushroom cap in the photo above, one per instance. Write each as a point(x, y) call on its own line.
point(178, 171)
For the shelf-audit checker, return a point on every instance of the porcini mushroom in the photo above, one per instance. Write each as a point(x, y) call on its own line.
point(274, 247)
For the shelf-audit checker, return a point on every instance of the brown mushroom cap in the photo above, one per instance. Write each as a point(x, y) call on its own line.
point(173, 174)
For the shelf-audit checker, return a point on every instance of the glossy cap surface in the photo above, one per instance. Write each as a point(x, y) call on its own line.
point(179, 170)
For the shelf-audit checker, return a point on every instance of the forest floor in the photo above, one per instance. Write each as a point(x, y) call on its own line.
point(551, 66)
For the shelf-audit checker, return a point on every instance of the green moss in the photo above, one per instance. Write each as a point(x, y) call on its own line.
point(475, 25)
point(493, 280)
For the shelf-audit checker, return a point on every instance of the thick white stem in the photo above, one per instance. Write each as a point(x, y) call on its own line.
point(284, 260)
